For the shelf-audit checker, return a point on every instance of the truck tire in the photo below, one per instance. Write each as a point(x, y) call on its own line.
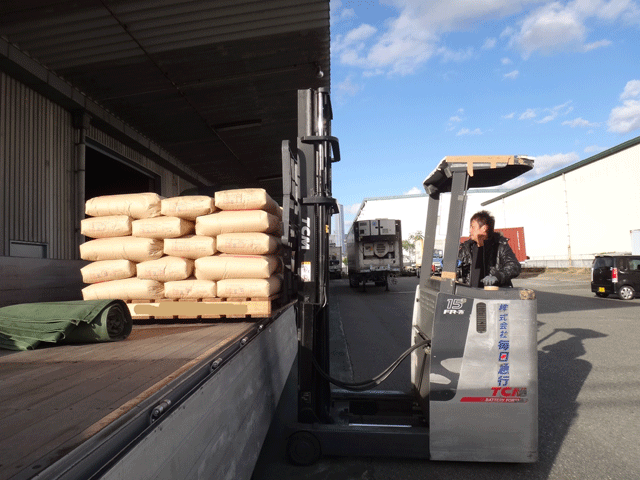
point(303, 449)
point(353, 281)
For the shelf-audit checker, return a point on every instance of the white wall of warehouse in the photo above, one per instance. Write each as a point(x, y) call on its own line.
point(572, 216)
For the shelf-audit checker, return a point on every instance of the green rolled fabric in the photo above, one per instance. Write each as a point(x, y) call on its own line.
point(25, 326)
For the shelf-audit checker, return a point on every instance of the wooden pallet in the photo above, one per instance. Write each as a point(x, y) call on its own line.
point(206, 308)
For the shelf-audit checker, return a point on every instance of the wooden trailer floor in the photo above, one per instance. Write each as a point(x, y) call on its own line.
point(53, 399)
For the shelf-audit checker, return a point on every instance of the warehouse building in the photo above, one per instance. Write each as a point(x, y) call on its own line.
point(582, 210)
point(122, 97)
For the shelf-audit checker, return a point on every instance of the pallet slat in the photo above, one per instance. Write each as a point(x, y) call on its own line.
point(207, 308)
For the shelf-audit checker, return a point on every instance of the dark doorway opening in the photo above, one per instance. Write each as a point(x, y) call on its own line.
point(106, 173)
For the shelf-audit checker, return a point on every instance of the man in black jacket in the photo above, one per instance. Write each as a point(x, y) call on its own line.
point(486, 259)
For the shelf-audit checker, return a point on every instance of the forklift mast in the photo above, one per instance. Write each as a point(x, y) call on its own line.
point(307, 209)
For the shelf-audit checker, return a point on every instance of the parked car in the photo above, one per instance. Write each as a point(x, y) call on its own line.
point(616, 274)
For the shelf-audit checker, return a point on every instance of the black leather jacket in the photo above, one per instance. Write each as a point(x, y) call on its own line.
point(500, 260)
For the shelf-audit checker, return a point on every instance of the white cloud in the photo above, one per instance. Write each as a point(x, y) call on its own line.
point(506, 61)
point(594, 149)
point(558, 26)
point(454, 120)
point(414, 191)
point(553, 112)
point(593, 45)
point(466, 131)
point(489, 44)
point(418, 29)
point(512, 75)
point(631, 90)
point(347, 87)
point(509, 115)
point(449, 55)
point(549, 28)
point(580, 122)
point(544, 163)
point(625, 118)
point(526, 115)
point(415, 34)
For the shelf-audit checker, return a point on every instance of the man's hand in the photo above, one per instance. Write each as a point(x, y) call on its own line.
point(489, 280)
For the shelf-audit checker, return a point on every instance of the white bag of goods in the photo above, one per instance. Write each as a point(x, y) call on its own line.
point(237, 222)
point(117, 248)
point(247, 199)
point(127, 289)
point(247, 243)
point(165, 269)
point(249, 287)
point(224, 266)
point(161, 227)
point(105, 227)
point(190, 288)
point(136, 205)
point(107, 270)
point(188, 207)
point(190, 246)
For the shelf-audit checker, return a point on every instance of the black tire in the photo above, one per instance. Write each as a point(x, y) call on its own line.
point(353, 281)
point(602, 294)
point(303, 449)
point(626, 292)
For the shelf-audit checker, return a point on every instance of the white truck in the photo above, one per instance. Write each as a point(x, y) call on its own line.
point(335, 261)
point(374, 251)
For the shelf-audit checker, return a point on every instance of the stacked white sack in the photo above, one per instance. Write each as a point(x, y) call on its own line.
point(247, 230)
point(155, 247)
point(189, 247)
point(114, 253)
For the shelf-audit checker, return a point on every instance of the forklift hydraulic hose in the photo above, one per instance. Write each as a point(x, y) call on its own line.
point(374, 382)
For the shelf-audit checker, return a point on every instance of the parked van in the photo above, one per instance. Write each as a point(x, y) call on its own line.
point(616, 274)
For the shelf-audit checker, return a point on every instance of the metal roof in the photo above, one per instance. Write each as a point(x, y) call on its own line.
point(212, 85)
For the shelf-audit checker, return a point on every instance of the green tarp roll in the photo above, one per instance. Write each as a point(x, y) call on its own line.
point(25, 326)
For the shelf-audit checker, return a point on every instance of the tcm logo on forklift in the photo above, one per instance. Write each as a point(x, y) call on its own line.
point(454, 306)
point(305, 234)
point(501, 395)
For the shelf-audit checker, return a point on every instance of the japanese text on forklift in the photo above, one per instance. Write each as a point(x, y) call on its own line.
point(473, 354)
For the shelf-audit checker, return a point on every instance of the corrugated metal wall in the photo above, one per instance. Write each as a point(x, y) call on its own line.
point(38, 169)
point(37, 166)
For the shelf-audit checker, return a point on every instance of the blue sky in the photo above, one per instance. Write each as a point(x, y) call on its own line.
point(413, 81)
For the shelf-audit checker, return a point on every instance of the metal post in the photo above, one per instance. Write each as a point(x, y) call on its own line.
point(81, 121)
point(454, 226)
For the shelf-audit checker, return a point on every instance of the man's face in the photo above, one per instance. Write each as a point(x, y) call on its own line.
point(477, 233)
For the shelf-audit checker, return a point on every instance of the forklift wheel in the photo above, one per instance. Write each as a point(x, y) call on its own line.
point(303, 449)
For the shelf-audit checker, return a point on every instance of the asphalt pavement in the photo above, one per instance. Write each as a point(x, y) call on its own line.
point(589, 391)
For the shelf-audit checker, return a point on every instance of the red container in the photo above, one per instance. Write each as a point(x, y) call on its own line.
point(516, 241)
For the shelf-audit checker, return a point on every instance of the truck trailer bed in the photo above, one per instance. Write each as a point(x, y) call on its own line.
point(85, 405)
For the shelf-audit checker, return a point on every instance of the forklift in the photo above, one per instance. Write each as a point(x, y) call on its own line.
point(473, 354)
